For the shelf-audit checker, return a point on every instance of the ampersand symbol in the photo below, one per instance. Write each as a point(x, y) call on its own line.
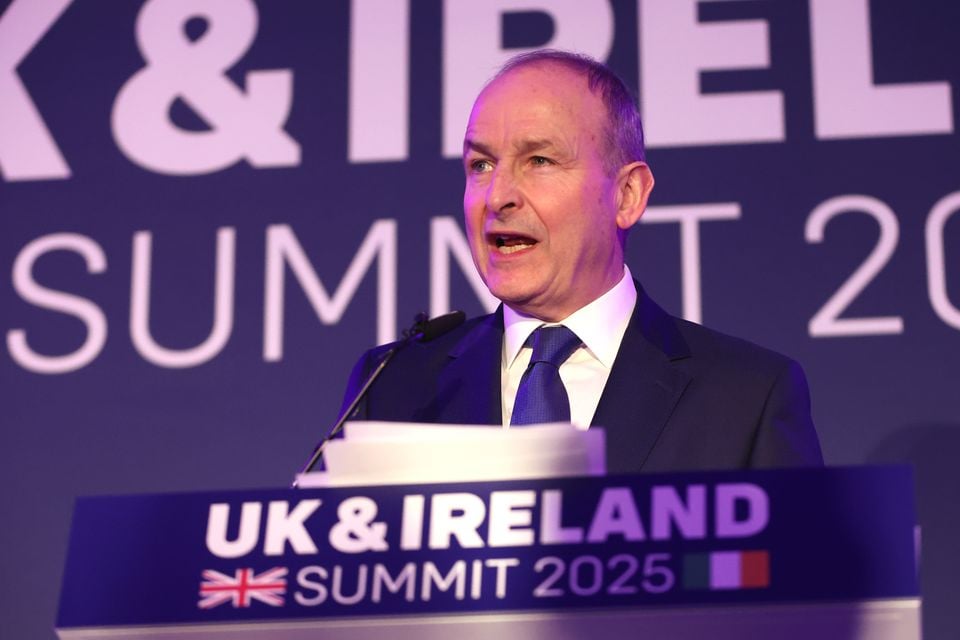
point(356, 532)
point(244, 124)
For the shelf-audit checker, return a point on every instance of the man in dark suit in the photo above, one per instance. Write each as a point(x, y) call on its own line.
point(555, 178)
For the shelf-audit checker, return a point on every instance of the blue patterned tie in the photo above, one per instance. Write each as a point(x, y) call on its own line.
point(541, 396)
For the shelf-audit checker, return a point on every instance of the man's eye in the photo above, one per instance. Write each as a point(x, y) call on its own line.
point(479, 166)
point(540, 161)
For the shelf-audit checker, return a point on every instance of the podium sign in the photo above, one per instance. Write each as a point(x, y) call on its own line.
point(560, 557)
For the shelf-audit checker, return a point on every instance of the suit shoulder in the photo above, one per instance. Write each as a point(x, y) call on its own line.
point(730, 351)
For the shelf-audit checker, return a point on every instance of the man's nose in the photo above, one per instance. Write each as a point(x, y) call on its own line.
point(503, 193)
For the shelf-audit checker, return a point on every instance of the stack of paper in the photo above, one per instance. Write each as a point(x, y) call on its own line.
point(404, 453)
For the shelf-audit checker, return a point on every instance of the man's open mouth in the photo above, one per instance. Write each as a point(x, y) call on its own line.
point(511, 243)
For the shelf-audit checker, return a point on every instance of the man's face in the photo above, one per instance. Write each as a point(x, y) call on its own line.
point(539, 206)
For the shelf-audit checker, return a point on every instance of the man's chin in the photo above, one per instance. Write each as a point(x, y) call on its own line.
point(515, 298)
point(531, 306)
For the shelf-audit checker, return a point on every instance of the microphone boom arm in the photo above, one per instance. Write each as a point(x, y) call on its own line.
point(423, 330)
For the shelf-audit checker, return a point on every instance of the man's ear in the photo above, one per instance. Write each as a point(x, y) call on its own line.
point(634, 184)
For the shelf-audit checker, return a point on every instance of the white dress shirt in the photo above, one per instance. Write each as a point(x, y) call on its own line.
point(600, 325)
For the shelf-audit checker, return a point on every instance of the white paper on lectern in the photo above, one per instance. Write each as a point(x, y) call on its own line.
point(409, 453)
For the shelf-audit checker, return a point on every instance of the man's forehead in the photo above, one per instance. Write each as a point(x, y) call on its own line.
point(548, 79)
point(521, 128)
point(552, 69)
point(538, 103)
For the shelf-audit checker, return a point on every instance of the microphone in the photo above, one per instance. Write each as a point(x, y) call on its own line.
point(424, 329)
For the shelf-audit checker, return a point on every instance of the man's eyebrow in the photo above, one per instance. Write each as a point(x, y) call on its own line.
point(533, 144)
point(527, 145)
point(472, 145)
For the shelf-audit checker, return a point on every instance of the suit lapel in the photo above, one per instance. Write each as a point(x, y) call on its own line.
point(469, 386)
point(643, 388)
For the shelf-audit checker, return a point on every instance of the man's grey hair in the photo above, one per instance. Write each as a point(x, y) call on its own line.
point(624, 134)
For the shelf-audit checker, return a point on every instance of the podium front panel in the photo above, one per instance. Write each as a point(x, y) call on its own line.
point(796, 552)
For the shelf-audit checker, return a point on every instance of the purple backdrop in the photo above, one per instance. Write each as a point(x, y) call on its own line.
point(208, 209)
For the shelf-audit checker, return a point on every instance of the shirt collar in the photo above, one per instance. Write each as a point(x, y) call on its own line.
point(600, 324)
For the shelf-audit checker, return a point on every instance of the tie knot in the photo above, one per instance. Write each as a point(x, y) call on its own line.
point(553, 344)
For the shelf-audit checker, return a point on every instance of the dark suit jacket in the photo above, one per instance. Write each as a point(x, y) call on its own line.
point(679, 397)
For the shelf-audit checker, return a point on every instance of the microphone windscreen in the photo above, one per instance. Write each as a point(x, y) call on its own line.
point(436, 327)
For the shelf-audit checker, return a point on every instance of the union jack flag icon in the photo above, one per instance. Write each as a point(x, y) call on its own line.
point(243, 588)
